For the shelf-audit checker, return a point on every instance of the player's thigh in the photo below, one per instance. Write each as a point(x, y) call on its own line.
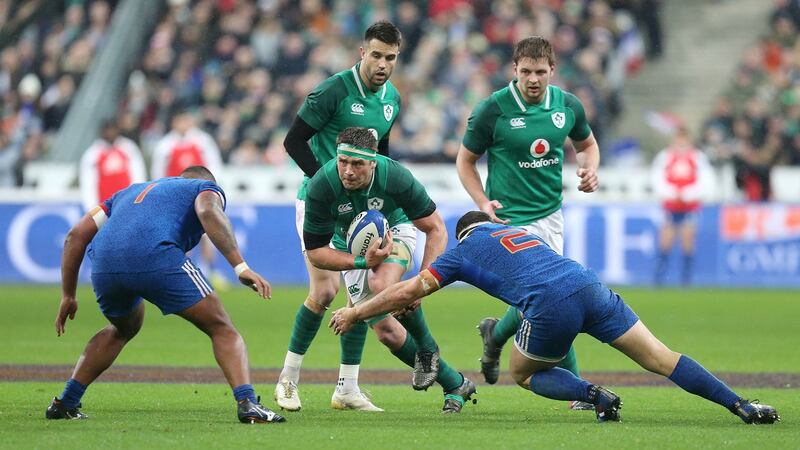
point(606, 316)
point(208, 314)
point(398, 263)
point(639, 344)
point(175, 289)
point(129, 325)
point(547, 336)
point(322, 284)
point(521, 367)
point(114, 297)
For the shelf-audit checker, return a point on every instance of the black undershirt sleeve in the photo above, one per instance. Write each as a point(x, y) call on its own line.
point(383, 146)
point(314, 241)
point(296, 144)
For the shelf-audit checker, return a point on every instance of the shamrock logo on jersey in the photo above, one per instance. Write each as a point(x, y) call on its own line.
point(375, 203)
point(559, 119)
point(388, 110)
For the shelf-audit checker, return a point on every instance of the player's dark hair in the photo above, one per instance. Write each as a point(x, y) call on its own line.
point(358, 136)
point(198, 172)
point(535, 48)
point(468, 219)
point(385, 32)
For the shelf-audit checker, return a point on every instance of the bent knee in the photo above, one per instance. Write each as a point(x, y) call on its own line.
point(377, 284)
point(390, 333)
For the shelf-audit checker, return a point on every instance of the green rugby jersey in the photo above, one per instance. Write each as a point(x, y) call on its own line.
point(343, 101)
point(330, 208)
point(525, 144)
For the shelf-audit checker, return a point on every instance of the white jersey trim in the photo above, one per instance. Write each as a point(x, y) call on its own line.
point(358, 81)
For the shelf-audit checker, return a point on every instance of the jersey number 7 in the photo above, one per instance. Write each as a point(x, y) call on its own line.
point(509, 234)
point(141, 196)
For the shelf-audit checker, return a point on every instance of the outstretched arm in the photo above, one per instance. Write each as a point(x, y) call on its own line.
point(390, 299)
point(208, 206)
point(435, 237)
point(75, 245)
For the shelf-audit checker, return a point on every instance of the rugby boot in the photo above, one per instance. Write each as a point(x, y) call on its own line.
point(426, 369)
point(455, 399)
point(287, 396)
point(251, 413)
point(57, 410)
point(753, 412)
point(490, 360)
point(353, 400)
point(606, 403)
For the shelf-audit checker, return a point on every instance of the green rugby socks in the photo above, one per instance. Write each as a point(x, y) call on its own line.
point(506, 327)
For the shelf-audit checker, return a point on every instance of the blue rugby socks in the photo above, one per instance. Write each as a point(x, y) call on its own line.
point(695, 379)
point(560, 384)
point(73, 391)
point(245, 391)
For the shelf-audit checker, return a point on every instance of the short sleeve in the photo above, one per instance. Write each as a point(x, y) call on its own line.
point(321, 104)
point(318, 199)
point(580, 130)
point(214, 187)
point(412, 196)
point(480, 126)
point(447, 267)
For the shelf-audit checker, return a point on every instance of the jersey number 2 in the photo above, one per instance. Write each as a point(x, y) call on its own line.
point(509, 234)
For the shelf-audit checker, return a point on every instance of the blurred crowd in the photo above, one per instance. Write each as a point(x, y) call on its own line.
point(47, 47)
point(755, 123)
point(242, 68)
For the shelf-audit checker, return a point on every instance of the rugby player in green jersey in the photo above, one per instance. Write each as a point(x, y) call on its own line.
point(359, 96)
point(357, 180)
point(522, 128)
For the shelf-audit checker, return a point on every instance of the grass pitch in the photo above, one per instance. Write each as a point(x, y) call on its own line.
point(726, 330)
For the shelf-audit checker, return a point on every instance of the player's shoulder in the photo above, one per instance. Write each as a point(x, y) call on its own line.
point(333, 86)
point(325, 181)
point(490, 106)
point(562, 96)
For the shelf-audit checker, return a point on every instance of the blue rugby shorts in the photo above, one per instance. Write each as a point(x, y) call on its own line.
point(172, 290)
point(595, 310)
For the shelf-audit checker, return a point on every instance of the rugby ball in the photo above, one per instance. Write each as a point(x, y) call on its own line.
point(367, 227)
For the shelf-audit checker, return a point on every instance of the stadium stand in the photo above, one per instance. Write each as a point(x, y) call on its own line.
point(755, 124)
point(242, 67)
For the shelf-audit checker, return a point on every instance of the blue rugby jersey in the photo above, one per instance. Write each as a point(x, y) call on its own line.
point(150, 226)
point(513, 265)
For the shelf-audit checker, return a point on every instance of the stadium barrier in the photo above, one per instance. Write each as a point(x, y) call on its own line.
point(754, 245)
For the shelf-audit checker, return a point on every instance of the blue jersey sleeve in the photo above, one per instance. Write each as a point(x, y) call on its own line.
point(447, 267)
point(211, 186)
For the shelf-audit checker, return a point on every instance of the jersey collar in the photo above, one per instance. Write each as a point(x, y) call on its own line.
point(360, 85)
point(521, 103)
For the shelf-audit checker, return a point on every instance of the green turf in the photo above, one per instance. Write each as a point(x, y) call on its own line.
point(202, 416)
point(726, 330)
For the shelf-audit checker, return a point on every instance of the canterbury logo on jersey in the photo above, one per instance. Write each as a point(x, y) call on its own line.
point(357, 108)
point(347, 207)
point(517, 123)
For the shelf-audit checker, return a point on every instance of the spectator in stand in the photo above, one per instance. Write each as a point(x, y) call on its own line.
point(184, 146)
point(110, 164)
point(680, 174)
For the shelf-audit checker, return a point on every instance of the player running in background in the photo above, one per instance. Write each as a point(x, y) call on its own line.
point(139, 239)
point(113, 162)
point(360, 96)
point(522, 128)
point(680, 174)
point(559, 299)
point(358, 180)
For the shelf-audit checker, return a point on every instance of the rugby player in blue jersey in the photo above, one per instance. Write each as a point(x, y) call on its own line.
point(137, 242)
point(558, 298)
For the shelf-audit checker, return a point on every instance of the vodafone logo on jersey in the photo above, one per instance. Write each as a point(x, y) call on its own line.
point(539, 148)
